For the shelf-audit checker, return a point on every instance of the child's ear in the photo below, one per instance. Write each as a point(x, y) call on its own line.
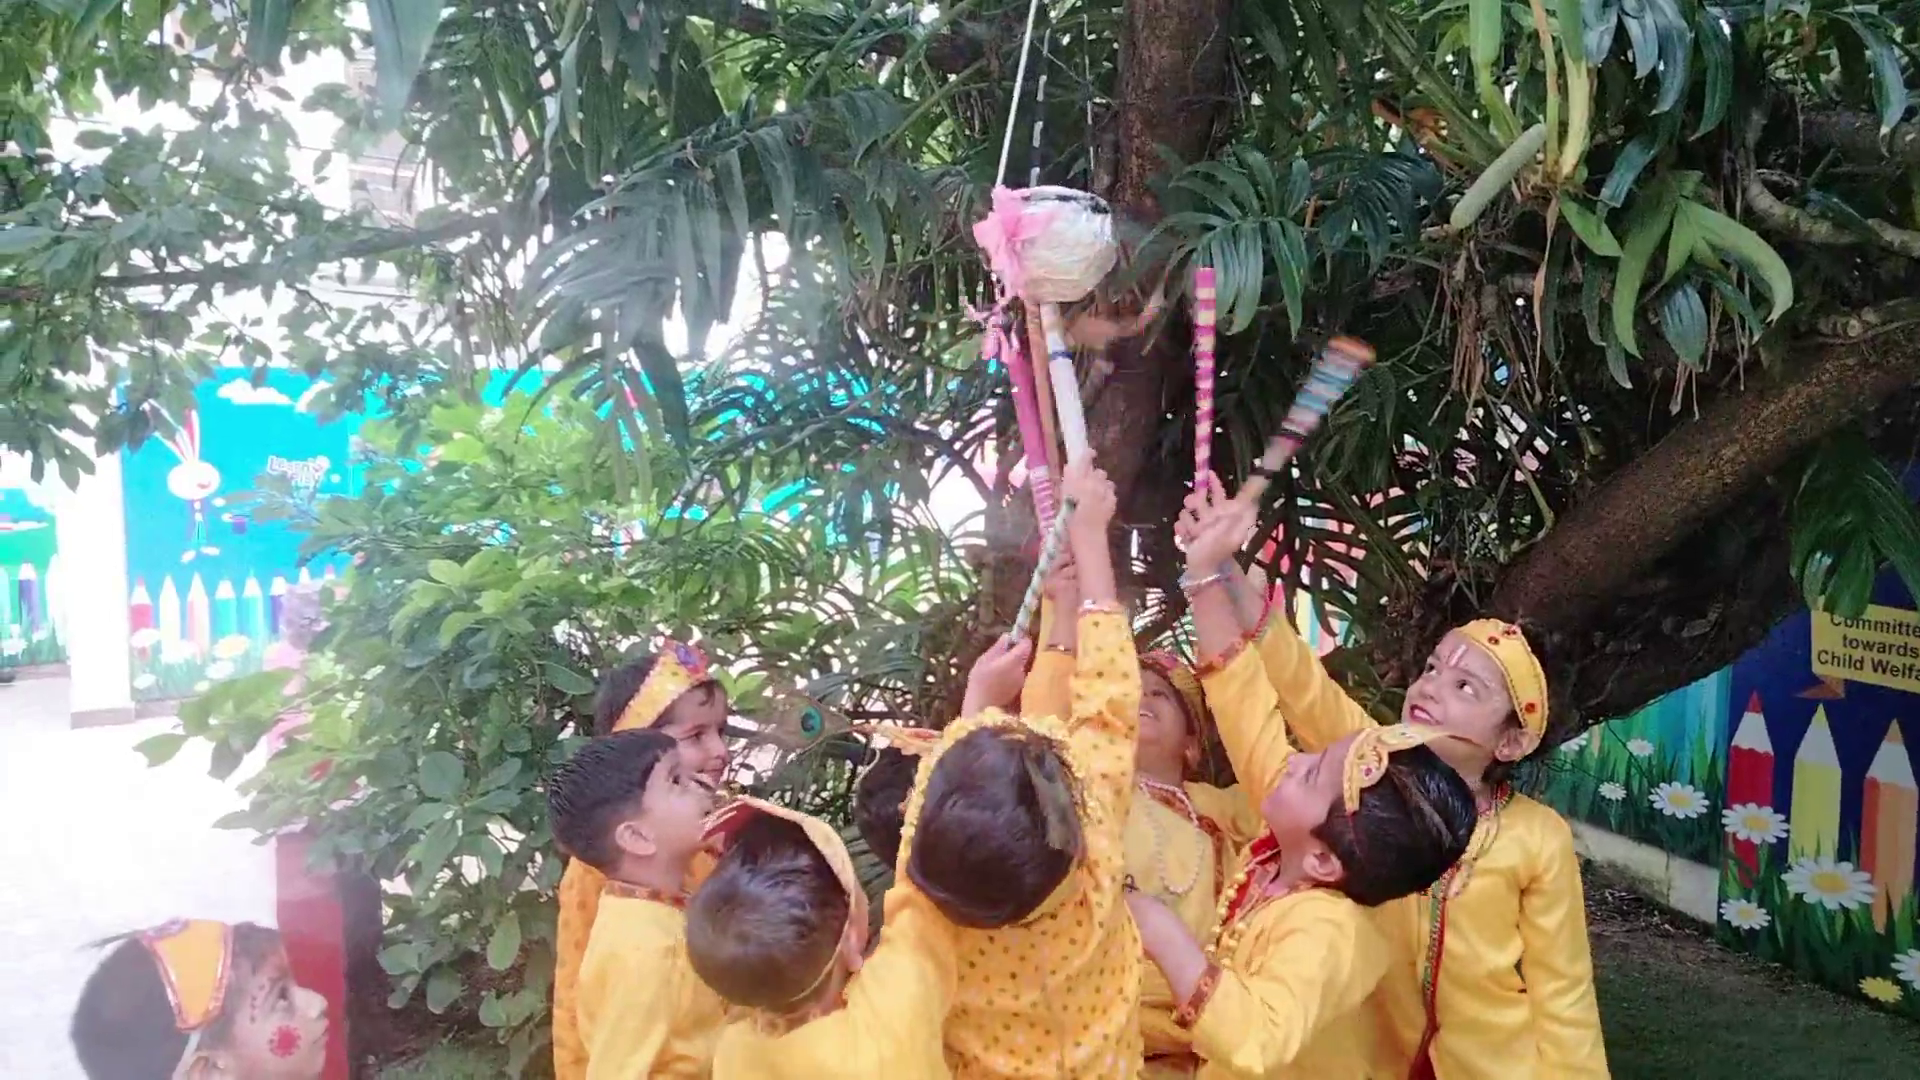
point(206, 1065)
point(633, 838)
point(1515, 743)
point(1322, 866)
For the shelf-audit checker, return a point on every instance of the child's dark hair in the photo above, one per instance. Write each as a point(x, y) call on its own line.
point(123, 1028)
point(600, 787)
point(880, 802)
point(767, 921)
point(1411, 826)
point(617, 688)
point(998, 831)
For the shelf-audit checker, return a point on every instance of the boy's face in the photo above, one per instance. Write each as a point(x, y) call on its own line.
point(1309, 788)
point(1164, 738)
point(278, 1030)
point(698, 722)
point(672, 818)
point(1464, 693)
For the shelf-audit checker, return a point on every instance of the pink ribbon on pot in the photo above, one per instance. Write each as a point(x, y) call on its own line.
point(1002, 232)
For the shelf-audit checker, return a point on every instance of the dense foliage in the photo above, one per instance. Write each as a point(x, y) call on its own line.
point(1645, 379)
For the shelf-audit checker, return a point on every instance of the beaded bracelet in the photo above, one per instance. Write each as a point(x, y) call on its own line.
point(1188, 1013)
point(1101, 607)
point(1191, 586)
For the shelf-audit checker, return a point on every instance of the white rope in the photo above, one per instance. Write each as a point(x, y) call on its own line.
point(1019, 84)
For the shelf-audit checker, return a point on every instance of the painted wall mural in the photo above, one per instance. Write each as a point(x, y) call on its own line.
point(206, 582)
point(1791, 772)
point(30, 570)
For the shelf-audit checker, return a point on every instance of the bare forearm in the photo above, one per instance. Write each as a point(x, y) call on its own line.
point(1096, 564)
point(1174, 951)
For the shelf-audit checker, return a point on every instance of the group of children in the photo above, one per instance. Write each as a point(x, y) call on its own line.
point(1070, 901)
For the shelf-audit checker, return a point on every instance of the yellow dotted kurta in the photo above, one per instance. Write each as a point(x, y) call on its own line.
point(1515, 996)
point(1290, 1003)
point(890, 1026)
point(643, 1011)
point(1056, 998)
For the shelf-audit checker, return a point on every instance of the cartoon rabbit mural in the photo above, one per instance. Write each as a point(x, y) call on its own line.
point(193, 480)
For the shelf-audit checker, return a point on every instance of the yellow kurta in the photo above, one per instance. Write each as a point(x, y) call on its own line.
point(1056, 997)
point(1290, 1003)
point(1515, 997)
point(1183, 866)
point(643, 1011)
point(889, 1028)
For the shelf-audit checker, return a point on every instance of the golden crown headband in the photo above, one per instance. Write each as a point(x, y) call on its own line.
point(677, 668)
point(735, 815)
point(1526, 679)
point(1367, 758)
point(195, 959)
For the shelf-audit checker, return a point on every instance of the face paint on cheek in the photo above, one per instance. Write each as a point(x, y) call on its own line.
point(284, 1042)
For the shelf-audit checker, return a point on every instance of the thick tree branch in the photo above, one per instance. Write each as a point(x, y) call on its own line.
point(1595, 552)
point(265, 271)
point(1794, 223)
point(1856, 135)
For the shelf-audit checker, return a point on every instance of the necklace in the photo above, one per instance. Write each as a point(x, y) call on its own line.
point(1176, 799)
point(1242, 895)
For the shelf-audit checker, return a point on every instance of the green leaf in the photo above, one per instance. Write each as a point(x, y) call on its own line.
point(444, 987)
point(568, 681)
point(1680, 243)
point(503, 948)
point(442, 775)
point(1648, 227)
point(267, 25)
point(1683, 320)
point(1590, 227)
point(1497, 176)
point(446, 571)
point(425, 815)
point(19, 239)
point(1889, 82)
point(402, 33)
point(1626, 169)
point(1717, 53)
point(161, 748)
point(1744, 246)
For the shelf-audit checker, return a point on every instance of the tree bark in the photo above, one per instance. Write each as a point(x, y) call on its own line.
point(1597, 550)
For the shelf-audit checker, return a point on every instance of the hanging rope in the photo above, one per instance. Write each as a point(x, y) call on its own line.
point(1019, 84)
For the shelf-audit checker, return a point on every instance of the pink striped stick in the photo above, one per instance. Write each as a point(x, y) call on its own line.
point(1203, 368)
point(1026, 409)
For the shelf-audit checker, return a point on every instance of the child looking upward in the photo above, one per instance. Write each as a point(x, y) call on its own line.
point(1491, 976)
point(627, 806)
point(671, 692)
point(197, 1000)
point(780, 930)
point(1279, 989)
point(1013, 833)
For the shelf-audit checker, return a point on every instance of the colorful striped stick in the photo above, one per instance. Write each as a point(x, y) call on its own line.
point(1333, 374)
point(999, 344)
point(1049, 554)
point(1203, 367)
point(1066, 384)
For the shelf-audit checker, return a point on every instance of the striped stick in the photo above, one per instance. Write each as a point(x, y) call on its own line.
point(1066, 384)
point(1203, 368)
point(1333, 374)
point(1026, 409)
point(1049, 554)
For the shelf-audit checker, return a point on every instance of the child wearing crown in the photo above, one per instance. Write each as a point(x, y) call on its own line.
point(1013, 834)
point(194, 1000)
point(1490, 976)
point(672, 692)
point(1276, 988)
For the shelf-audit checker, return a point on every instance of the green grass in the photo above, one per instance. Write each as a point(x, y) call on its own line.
point(451, 1061)
point(1674, 1004)
point(1572, 785)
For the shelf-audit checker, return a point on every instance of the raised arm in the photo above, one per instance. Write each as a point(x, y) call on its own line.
point(1048, 691)
point(1556, 960)
point(1105, 716)
point(1318, 711)
point(1238, 694)
point(1254, 1016)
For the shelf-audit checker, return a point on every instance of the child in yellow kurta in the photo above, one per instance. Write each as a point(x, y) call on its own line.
point(672, 692)
point(1279, 990)
point(1014, 831)
point(1491, 976)
point(780, 930)
point(626, 806)
point(1181, 833)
